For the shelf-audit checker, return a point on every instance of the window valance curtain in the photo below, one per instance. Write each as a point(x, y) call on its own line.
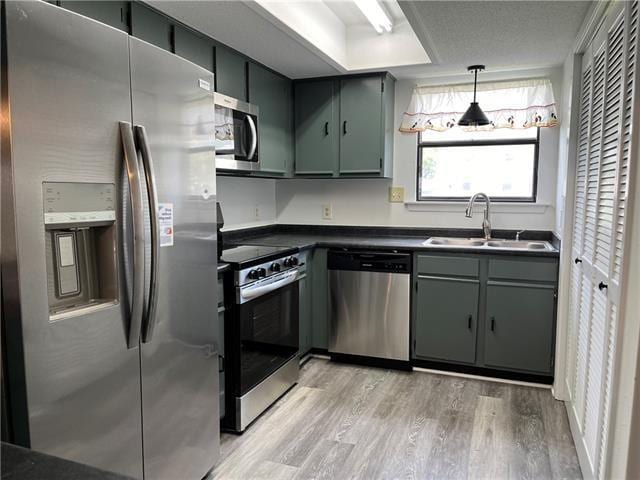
point(513, 104)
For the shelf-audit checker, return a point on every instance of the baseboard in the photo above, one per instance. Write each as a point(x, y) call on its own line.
point(482, 377)
point(484, 372)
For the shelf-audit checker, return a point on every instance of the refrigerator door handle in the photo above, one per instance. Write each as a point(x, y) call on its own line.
point(135, 194)
point(254, 138)
point(150, 177)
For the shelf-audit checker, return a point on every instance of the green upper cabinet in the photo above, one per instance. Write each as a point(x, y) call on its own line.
point(366, 134)
point(150, 26)
point(272, 94)
point(519, 326)
point(344, 126)
point(231, 73)
point(317, 124)
point(113, 13)
point(361, 114)
point(193, 47)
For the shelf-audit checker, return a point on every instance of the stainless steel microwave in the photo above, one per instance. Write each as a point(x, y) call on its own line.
point(236, 137)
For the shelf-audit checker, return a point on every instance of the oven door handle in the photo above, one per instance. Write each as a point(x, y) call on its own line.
point(254, 292)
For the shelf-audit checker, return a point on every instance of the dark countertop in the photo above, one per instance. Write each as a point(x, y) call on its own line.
point(400, 242)
point(223, 267)
point(23, 464)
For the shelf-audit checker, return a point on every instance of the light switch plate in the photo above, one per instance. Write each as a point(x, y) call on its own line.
point(327, 211)
point(396, 194)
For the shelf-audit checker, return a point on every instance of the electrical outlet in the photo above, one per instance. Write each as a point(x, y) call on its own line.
point(327, 211)
point(396, 194)
point(257, 212)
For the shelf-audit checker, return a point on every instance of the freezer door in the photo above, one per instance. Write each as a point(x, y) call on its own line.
point(68, 87)
point(173, 101)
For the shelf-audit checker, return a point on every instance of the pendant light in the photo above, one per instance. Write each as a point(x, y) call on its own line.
point(474, 116)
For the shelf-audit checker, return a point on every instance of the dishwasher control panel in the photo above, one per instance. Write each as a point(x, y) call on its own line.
point(369, 261)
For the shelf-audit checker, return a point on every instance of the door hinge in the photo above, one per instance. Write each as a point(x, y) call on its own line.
point(380, 164)
point(414, 345)
point(220, 363)
point(416, 286)
point(382, 84)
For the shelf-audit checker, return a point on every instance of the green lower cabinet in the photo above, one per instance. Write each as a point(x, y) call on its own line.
point(495, 312)
point(273, 95)
point(319, 299)
point(446, 319)
point(305, 315)
point(519, 327)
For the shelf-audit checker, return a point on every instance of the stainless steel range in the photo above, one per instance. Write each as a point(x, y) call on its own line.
point(262, 332)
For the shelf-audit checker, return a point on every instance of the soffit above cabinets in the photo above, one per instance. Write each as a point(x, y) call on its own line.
point(303, 39)
point(312, 38)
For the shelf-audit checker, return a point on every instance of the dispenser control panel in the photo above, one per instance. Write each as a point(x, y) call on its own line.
point(78, 203)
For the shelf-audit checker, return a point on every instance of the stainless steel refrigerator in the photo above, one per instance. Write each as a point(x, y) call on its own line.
point(109, 255)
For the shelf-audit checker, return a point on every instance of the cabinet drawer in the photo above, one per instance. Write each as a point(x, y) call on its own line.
point(448, 265)
point(532, 269)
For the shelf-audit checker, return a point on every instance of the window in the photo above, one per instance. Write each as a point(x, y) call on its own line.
point(455, 164)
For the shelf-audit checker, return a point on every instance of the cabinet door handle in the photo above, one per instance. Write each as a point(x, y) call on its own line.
point(602, 286)
point(577, 260)
point(326, 128)
point(493, 324)
point(469, 321)
point(344, 127)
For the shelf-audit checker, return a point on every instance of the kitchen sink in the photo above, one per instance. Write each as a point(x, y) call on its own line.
point(456, 242)
point(518, 244)
point(481, 243)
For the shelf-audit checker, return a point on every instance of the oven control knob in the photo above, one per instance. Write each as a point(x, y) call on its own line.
point(294, 261)
point(275, 267)
point(253, 275)
point(262, 273)
point(288, 262)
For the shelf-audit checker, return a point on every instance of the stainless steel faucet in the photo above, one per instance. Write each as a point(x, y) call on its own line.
point(486, 223)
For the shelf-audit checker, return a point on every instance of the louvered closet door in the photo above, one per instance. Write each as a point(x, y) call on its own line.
point(604, 148)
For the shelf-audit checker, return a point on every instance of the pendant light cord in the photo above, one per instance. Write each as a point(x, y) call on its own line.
point(475, 83)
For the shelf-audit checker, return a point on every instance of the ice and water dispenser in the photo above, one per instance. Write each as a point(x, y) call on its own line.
point(80, 240)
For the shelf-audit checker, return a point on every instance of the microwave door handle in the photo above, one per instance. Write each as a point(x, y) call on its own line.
point(137, 205)
point(254, 138)
point(150, 177)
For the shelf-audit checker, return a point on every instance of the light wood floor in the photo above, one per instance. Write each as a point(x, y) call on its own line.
point(344, 421)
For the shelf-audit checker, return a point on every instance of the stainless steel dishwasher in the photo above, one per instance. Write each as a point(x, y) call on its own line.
point(369, 298)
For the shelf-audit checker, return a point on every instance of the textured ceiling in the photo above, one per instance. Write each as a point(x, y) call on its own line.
point(513, 34)
point(499, 34)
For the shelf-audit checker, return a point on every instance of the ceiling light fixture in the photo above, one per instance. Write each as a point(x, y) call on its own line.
point(474, 116)
point(376, 15)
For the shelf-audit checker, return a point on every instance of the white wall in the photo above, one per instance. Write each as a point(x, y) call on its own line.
point(365, 201)
point(246, 202)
